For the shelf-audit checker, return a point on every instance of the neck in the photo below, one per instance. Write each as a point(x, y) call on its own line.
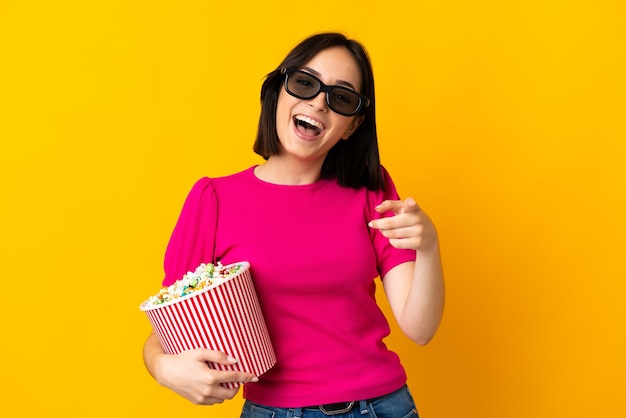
point(282, 171)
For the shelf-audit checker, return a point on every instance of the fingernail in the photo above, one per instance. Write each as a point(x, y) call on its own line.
point(232, 359)
point(255, 379)
point(370, 224)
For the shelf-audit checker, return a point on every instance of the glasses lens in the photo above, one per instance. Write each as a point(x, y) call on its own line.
point(343, 100)
point(302, 85)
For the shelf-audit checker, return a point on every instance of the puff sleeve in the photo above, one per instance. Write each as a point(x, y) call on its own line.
point(193, 238)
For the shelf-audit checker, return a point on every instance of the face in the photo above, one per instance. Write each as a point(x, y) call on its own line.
point(308, 129)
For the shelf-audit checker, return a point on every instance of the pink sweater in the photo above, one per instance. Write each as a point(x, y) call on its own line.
point(314, 261)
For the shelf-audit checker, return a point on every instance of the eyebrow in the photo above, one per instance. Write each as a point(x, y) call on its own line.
point(339, 82)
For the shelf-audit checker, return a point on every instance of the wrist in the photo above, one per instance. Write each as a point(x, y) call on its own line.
point(431, 249)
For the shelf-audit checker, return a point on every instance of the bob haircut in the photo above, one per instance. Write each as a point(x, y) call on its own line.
point(354, 162)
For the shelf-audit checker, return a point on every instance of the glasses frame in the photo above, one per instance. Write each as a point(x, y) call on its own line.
point(363, 101)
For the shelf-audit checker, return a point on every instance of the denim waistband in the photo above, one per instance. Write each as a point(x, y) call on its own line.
point(400, 400)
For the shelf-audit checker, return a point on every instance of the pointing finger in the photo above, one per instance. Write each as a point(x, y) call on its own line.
point(398, 206)
point(389, 206)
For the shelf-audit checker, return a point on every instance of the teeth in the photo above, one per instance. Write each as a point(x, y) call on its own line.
point(310, 121)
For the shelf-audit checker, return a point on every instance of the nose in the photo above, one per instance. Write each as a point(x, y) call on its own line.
point(319, 102)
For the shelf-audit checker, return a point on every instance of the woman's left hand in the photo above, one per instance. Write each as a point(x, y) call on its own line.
point(409, 228)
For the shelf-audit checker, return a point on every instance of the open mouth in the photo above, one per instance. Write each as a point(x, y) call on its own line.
point(308, 126)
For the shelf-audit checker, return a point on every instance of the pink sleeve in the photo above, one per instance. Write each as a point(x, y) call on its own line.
point(192, 240)
point(387, 256)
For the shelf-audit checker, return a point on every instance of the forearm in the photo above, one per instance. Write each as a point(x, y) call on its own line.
point(423, 309)
point(152, 350)
point(416, 295)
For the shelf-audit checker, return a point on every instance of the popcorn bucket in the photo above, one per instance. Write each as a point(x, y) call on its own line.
point(225, 317)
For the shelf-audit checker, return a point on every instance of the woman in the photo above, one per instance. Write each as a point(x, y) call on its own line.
point(318, 221)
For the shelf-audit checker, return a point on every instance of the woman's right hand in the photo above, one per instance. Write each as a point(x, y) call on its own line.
point(189, 375)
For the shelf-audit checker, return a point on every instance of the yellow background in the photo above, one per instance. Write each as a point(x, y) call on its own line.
point(504, 119)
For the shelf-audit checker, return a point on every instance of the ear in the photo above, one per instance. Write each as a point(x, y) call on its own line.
point(355, 124)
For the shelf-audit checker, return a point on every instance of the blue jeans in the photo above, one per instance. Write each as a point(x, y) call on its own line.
point(398, 404)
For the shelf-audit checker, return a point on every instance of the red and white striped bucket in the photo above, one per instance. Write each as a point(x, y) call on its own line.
point(225, 317)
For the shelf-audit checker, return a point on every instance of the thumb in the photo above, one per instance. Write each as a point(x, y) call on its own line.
point(409, 205)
